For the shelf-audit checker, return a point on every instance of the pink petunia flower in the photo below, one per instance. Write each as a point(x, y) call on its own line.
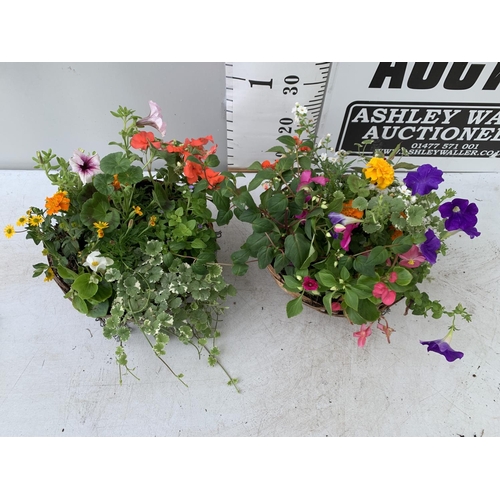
point(364, 332)
point(306, 178)
point(381, 291)
point(346, 236)
point(86, 166)
point(154, 119)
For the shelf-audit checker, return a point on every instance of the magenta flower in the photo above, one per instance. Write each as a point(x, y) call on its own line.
point(154, 119)
point(412, 258)
point(346, 236)
point(393, 277)
point(86, 166)
point(430, 246)
point(302, 216)
point(460, 215)
point(424, 179)
point(309, 284)
point(442, 346)
point(364, 332)
point(381, 291)
point(306, 178)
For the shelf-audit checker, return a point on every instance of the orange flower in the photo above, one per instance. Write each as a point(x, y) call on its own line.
point(201, 141)
point(396, 233)
point(142, 140)
point(268, 164)
point(192, 171)
point(57, 203)
point(116, 183)
point(351, 212)
point(212, 177)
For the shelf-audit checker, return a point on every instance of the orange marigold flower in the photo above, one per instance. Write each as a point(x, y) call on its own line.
point(142, 140)
point(57, 203)
point(351, 212)
point(396, 233)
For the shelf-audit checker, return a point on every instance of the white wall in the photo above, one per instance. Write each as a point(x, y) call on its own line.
point(65, 106)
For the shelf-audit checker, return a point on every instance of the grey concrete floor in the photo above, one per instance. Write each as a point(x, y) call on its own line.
point(298, 377)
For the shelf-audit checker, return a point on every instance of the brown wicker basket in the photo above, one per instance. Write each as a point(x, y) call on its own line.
point(317, 305)
point(60, 282)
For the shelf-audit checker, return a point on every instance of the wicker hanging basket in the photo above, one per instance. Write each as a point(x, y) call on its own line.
point(310, 301)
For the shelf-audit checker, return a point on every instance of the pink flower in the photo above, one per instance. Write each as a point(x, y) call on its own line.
point(393, 277)
point(154, 119)
point(336, 306)
point(86, 166)
point(346, 236)
point(381, 291)
point(412, 258)
point(306, 178)
point(364, 332)
point(309, 284)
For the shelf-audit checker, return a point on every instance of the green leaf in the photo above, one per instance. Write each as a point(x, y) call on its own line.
point(239, 269)
point(292, 284)
point(102, 183)
point(377, 256)
point(277, 149)
point(287, 140)
point(79, 304)
point(327, 302)
point(359, 203)
point(276, 205)
point(104, 291)
point(351, 298)
point(98, 310)
point(212, 161)
point(95, 209)
point(83, 287)
point(297, 248)
point(263, 226)
point(326, 278)
point(66, 274)
point(404, 276)
point(416, 215)
point(294, 307)
point(402, 244)
point(133, 175)
point(368, 310)
point(114, 163)
point(260, 177)
point(198, 243)
point(305, 162)
point(344, 274)
point(265, 256)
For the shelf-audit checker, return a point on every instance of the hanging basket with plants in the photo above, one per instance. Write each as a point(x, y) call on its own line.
point(130, 238)
point(350, 240)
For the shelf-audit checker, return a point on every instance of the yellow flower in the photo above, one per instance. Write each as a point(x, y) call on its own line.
point(100, 226)
point(35, 220)
point(380, 172)
point(23, 220)
point(49, 274)
point(152, 220)
point(137, 210)
point(9, 231)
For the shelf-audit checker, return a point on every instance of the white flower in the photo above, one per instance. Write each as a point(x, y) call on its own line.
point(299, 111)
point(97, 262)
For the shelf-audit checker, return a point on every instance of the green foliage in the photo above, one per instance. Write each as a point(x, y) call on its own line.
point(136, 243)
point(293, 233)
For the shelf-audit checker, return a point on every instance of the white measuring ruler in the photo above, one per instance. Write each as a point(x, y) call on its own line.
point(260, 98)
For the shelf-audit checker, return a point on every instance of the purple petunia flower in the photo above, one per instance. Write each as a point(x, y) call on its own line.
point(424, 179)
point(430, 246)
point(460, 215)
point(86, 166)
point(154, 119)
point(442, 346)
